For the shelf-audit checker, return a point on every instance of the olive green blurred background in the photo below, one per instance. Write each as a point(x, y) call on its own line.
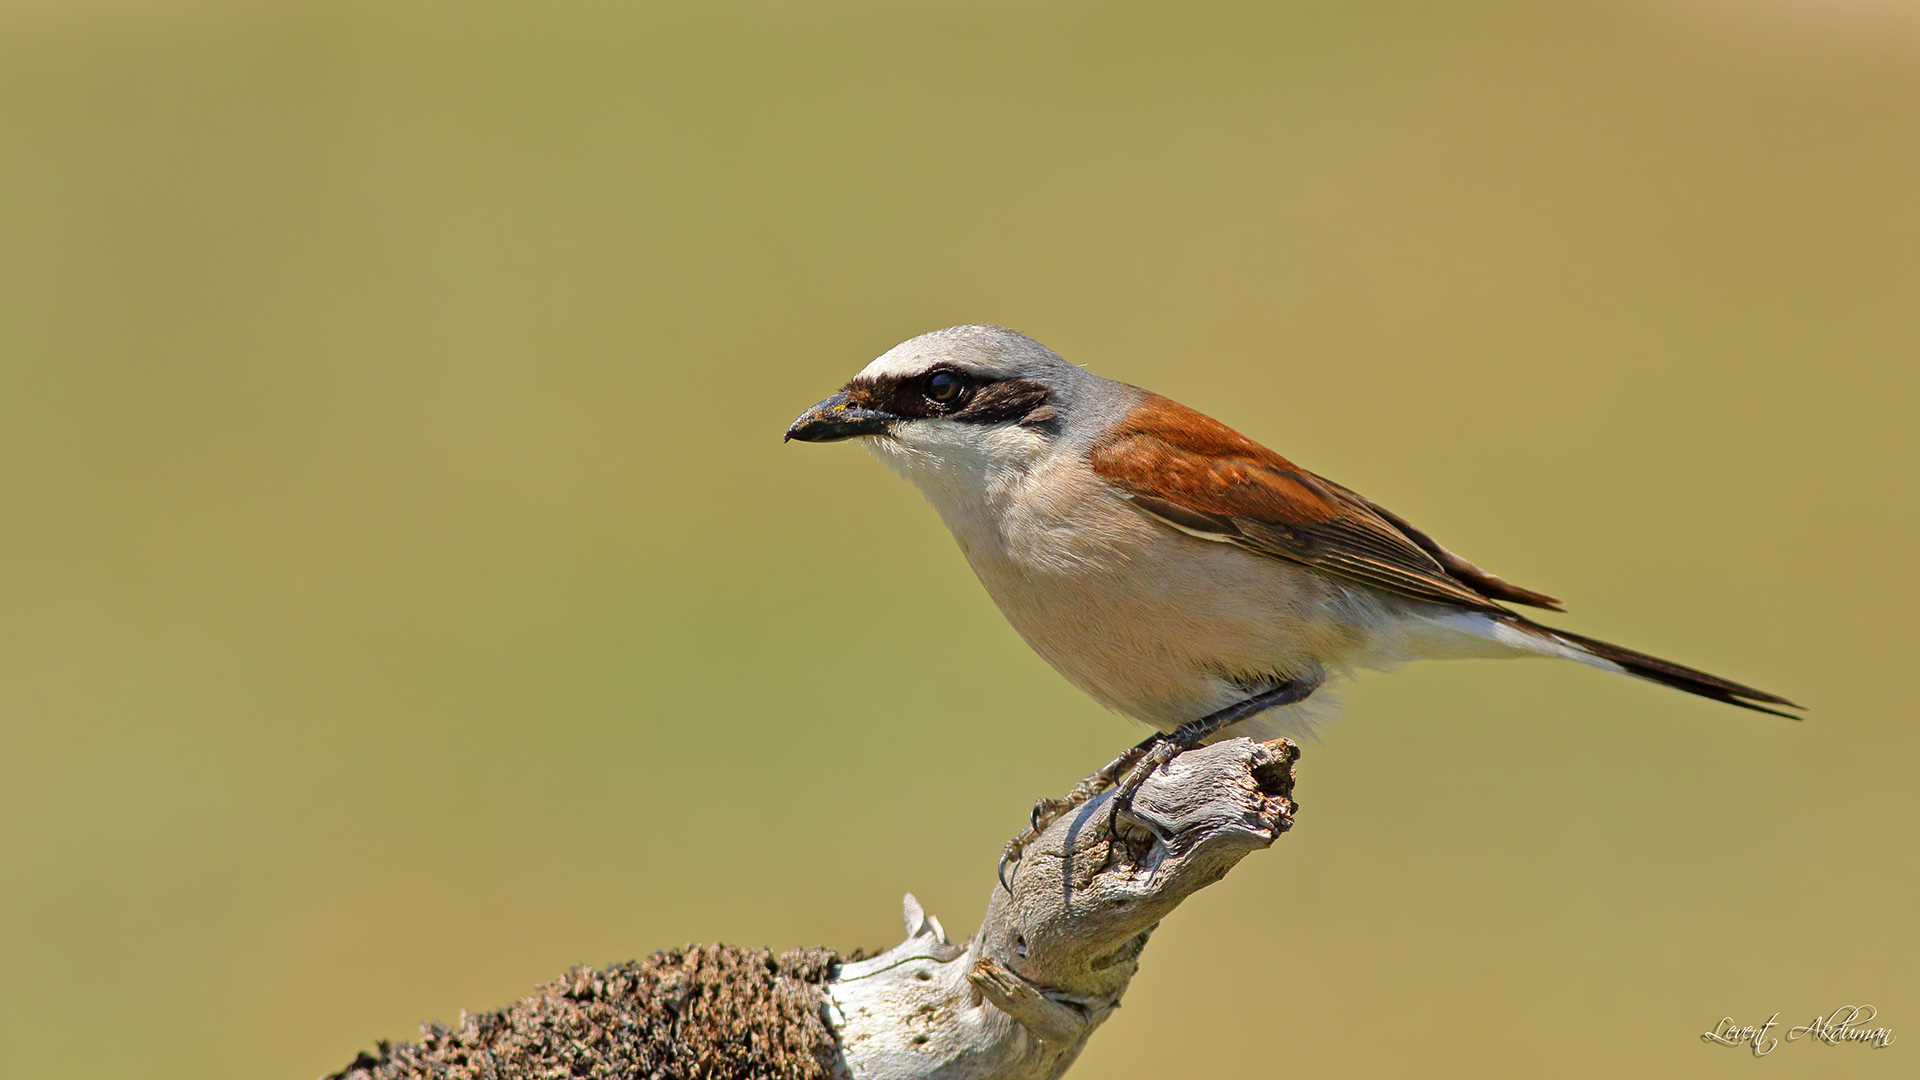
point(405, 594)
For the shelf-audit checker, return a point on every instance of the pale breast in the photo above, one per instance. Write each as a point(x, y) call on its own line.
point(1153, 623)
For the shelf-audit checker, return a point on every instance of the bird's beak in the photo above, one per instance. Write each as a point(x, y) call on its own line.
point(835, 419)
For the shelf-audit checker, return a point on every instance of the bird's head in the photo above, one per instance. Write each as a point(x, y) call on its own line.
point(958, 407)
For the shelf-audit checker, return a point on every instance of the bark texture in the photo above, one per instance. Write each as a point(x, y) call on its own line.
point(1056, 952)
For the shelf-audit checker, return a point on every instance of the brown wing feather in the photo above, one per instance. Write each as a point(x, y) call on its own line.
point(1489, 585)
point(1202, 476)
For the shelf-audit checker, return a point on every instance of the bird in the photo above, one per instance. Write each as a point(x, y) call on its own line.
point(1174, 570)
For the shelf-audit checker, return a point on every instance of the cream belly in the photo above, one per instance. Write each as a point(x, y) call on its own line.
point(1161, 626)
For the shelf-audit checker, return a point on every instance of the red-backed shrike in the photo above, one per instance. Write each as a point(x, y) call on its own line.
point(1177, 571)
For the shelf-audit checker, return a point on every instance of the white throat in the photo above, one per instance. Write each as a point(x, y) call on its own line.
point(968, 472)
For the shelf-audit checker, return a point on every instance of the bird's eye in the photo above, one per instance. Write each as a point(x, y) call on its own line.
point(945, 388)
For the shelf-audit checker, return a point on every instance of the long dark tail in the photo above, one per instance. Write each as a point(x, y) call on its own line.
point(1664, 672)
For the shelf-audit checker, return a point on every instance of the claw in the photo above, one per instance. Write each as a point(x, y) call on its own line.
point(1159, 750)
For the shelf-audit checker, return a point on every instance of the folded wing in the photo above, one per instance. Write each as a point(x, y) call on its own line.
point(1202, 477)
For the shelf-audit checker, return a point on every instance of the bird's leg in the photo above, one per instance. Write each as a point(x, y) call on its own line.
point(1139, 762)
point(1164, 748)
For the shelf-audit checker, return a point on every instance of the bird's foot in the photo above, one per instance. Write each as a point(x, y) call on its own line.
point(1048, 811)
point(1131, 769)
point(1161, 749)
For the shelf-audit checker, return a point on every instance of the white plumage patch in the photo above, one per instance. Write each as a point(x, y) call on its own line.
point(1502, 638)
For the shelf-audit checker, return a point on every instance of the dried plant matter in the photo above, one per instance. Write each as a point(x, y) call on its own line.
point(706, 1012)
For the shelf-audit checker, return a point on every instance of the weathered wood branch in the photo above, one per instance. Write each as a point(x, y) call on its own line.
point(1017, 1002)
point(1052, 959)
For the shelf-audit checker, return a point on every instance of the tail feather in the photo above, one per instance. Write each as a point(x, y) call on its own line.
point(1664, 672)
